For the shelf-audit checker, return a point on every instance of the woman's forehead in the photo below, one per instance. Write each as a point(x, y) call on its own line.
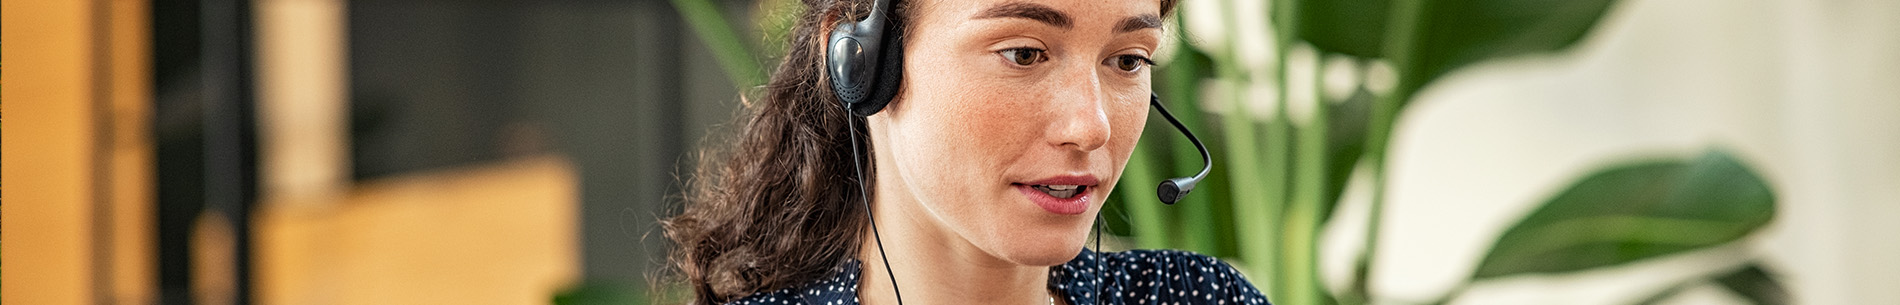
point(1121, 15)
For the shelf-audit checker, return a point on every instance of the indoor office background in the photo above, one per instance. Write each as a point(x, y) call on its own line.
point(521, 152)
point(381, 152)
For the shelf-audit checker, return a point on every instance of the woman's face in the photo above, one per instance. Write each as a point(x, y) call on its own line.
point(1015, 120)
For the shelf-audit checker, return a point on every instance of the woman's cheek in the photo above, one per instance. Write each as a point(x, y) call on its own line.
point(1128, 123)
point(970, 130)
point(999, 116)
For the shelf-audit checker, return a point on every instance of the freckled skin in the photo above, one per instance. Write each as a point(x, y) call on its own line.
point(969, 122)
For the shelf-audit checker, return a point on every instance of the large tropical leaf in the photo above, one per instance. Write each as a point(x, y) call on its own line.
point(1750, 282)
point(1755, 284)
point(1635, 212)
point(1351, 27)
point(1451, 34)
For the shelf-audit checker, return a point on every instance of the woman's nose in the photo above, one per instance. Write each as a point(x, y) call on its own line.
point(1081, 123)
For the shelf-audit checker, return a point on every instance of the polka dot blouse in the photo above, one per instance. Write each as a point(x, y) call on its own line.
point(1160, 277)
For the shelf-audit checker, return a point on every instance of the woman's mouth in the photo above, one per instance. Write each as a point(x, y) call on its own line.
point(1066, 195)
point(1061, 191)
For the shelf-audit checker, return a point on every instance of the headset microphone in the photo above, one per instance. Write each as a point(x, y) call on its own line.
point(865, 61)
point(1176, 188)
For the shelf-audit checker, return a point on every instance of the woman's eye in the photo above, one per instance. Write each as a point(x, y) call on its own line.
point(1131, 63)
point(1024, 56)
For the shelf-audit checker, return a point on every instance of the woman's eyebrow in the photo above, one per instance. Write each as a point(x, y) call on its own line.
point(1059, 19)
point(1029, 11)
point(1143, 22)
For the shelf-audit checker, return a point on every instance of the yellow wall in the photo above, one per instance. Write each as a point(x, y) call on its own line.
point(77, 155)
point(76, 180)
point(503, 233)
point(131, 187)
point(47, 165)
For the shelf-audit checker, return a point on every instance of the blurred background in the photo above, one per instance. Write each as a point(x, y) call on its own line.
point(1368, 151)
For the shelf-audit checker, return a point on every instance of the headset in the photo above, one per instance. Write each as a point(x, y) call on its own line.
point(865, 62)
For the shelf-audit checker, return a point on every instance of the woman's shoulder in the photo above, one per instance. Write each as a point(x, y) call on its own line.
point(1164, 263)
point(780, 297)
point(815, 293)
point(840, 286)
point(1162, 277)
point(1126, 277)
point(1162, 258)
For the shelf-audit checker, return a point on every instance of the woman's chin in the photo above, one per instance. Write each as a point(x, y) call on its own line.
point(1045, 245)
point(1049, 253)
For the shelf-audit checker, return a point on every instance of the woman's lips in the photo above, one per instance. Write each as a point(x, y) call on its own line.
point(1073, 205)
point(1065, 206)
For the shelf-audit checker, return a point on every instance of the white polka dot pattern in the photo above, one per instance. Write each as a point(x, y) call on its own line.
point(1143, 277)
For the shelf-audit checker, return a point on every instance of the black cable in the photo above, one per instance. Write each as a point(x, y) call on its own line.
point(856, 164)
point(1100, 282)
point(1174, 189)
point(1206, 158)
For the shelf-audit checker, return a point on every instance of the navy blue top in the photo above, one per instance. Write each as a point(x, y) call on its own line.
point(1134, 277)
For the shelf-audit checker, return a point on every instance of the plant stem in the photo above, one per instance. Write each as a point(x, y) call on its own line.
point(1400, 37)
point(1279, 151)
point(1304, 216)
point(1298, 264)
point(1253, 213)
point(727, 47)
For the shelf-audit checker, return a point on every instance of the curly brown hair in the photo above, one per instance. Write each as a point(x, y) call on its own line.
point(781, 206)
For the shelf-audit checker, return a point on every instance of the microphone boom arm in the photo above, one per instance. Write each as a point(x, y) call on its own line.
point(1176, 188)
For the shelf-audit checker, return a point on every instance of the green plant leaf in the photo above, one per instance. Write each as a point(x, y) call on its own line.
point(731, 51)
point(1635, 212)
point(1668, 292)
point(1345, 143)
point(1749, 281)
point(1451, 34)
point(1754, 284)
point(775, 19)
point(1351, 27)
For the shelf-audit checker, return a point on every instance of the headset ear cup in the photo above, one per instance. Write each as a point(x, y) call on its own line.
point(890, 77)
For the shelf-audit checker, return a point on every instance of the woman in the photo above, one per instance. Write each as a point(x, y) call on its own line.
point(1012, 122)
